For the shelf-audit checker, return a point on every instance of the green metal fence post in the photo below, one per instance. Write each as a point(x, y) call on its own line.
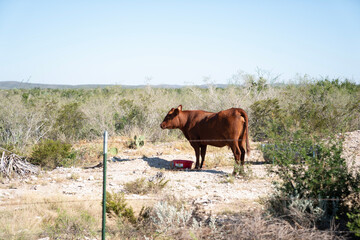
point(104, 186)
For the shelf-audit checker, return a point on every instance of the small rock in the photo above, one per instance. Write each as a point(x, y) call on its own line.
point(87, 238)
point(34, 178)
point(91, 178)
point(69, 193)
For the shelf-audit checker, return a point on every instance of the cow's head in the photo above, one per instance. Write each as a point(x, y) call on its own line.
point(172, 119)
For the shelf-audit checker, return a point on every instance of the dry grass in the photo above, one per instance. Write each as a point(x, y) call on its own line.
point(59, 218)
point(144, 186)
point(259, 227)
point(218, 157)
point(32, 217)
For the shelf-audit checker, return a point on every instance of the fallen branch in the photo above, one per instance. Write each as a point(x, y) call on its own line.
point(14, 164)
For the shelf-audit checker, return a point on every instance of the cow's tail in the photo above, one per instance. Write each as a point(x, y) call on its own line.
point(246, 131)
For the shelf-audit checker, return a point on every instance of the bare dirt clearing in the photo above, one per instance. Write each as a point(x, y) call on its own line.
point(213, 187)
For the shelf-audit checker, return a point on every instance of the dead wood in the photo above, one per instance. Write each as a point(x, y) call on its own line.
point(13, 165)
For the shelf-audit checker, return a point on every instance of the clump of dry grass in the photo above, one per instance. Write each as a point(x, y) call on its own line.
point(144, 186)
point(229, 178)
point(260, 227)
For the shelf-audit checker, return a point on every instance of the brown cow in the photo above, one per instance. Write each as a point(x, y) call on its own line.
point(225, 128)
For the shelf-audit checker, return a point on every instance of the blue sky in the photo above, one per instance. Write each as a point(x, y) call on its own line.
point(176, 42)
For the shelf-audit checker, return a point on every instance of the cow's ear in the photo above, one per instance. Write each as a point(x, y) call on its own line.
point(180, 108)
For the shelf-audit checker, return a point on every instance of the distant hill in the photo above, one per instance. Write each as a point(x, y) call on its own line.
point(24, 85)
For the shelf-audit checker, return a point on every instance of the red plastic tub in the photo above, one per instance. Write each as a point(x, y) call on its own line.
point(182, 164)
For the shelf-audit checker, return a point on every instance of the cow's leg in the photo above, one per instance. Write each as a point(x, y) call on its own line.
point(237, 153)
point(242, 146)
point(203, 152)
point(197, 153)
point(242, 154)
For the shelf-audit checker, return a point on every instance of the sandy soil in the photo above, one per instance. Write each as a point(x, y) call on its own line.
point(211, 187)
point(214, 188)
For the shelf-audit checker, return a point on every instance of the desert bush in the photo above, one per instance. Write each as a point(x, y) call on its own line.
point(256, 84)
point(354, 222)
point(21, 124)
point(51, 154)
point(131, 114)
point(318, 106)
point(127, 225)
point(315, 171)
point(298, 211)
point(116, 205)
point(70, 121)
point(326, 107)
point(167, 216)
point(268, 119)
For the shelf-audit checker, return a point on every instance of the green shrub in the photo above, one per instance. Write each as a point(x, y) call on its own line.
point(317, 106)
point(256, 84)
point(116, 205)
point(131, 114)
point(51, 154)
point(267, 119)
point(313, 170)
point(354, 223)
point(70, 121)
point(326, 107)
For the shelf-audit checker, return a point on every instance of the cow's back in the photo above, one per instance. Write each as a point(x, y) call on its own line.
point(217, 128)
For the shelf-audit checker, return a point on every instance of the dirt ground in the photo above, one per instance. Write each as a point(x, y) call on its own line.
point(212, 187)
